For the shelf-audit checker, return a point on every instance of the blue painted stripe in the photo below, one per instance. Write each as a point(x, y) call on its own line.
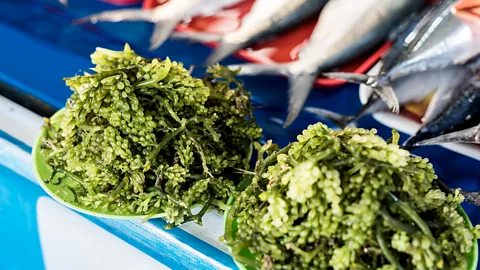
point(20, 246)
point(14, 141)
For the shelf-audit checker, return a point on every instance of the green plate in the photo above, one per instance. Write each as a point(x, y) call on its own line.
point(61, 193)
point(246, 252)
point(472, 256)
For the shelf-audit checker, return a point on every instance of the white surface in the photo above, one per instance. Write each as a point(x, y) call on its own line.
point(408, 126)
point(210, 220)
point(72, 242)
point(19, 122)
point(17, 160)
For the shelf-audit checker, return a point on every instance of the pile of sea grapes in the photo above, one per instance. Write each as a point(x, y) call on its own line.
point(142, 136)
point(347, 199)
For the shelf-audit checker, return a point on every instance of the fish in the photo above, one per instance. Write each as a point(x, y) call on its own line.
point(419, 37)
point(266, 18)
point(165, 17)
point(469, 135)
point(403, 37)
point(345, 30)
point(457, 110)
point(445, 40)
point(407, 89)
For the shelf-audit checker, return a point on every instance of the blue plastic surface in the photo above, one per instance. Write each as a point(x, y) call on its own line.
point(41, 45)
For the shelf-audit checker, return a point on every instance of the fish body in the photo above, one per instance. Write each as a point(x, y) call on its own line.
point(184, 11)
point(452, 42)
point(265, 19)
point(364, 25)
point(461, 112)
point(451, 95)
point(408, 36)
point(345, 30)
point(441, 40)
point(165, 16)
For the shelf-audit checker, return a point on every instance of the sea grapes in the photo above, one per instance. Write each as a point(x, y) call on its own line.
point(347, 199)
point(144, 136)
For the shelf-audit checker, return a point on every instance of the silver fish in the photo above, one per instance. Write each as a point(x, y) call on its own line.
point(266, 18)
point(165, 16)
point(408, 35)
point(345, 30)
point(407, 89)
point(469, 135)
point(445, 40)
point(459, 109)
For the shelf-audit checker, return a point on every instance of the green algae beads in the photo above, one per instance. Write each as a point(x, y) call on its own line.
point(347, 199)
point(143, 136)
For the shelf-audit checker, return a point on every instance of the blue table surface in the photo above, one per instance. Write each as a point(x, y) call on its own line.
point(41, 45)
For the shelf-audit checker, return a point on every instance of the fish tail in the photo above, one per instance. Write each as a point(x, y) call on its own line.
point(300, 86)
point(223, 50)
point(161, 32)
point(341, 121)
point(381, 87)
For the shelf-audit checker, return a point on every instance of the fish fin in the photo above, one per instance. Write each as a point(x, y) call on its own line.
point(223, 50)
point(387, 94)
point(161, 32)
point(300, 87)
point(129, 14)
point(383, 89)
point(196, 36)
point(261, 69)
point(342, 121)
point(470, 135)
